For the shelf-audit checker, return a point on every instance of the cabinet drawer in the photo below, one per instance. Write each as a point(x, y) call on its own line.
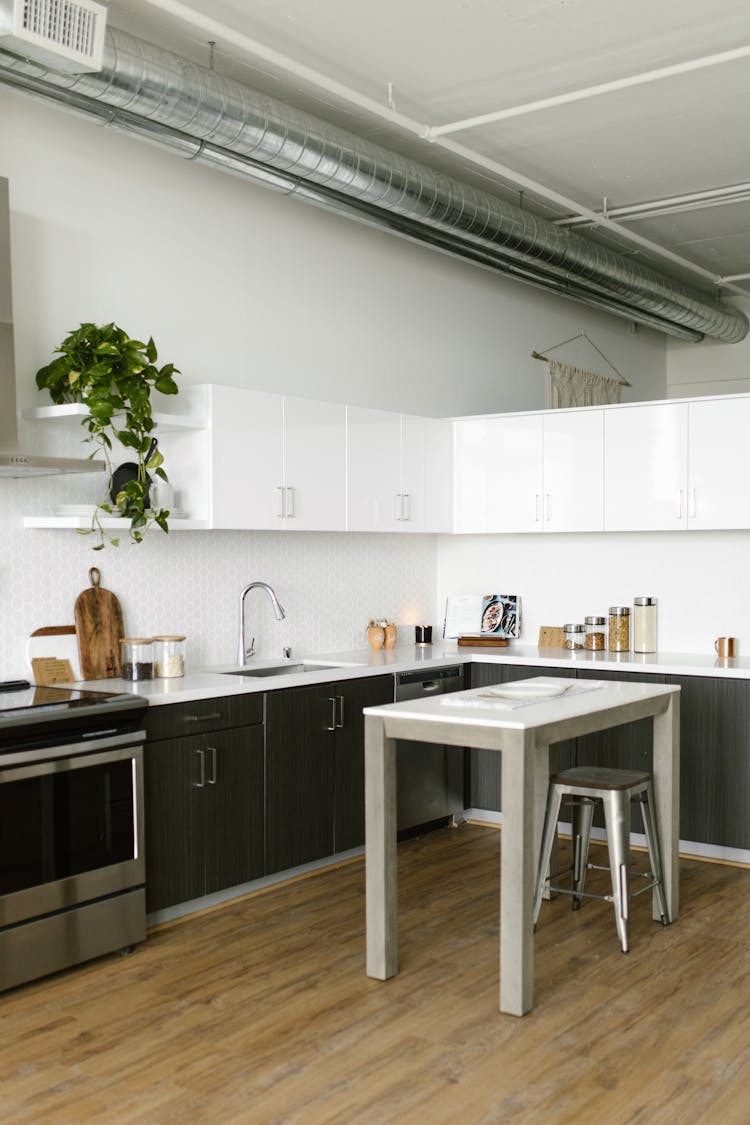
point(176, 719)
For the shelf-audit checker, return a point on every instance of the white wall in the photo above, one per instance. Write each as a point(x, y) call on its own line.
point(244, 286)
point(709, 368)
point(698, 579)
point(241, 286)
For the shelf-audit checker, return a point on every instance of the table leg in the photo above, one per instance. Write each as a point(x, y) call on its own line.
point(541, 787)
point(380, 849)
point(519, 849)
point(667, 798)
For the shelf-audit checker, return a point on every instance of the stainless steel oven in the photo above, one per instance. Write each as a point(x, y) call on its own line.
point(71, 828)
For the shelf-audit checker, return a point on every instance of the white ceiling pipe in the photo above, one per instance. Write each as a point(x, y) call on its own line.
point(692, 201)
point(220, 31)
point(590, 91)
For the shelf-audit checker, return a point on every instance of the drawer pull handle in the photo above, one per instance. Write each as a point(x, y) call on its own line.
point(201, 782)
point(202, 718)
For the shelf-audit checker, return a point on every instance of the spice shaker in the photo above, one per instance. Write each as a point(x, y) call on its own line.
point(644, 625)
point(619, 628)
point(595, 633)
point(135, 658)
point(169, 656)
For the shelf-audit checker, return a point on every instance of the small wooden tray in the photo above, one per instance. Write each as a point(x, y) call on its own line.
point(483, 642)
point(551, 636)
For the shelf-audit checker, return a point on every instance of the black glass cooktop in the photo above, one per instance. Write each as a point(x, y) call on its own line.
point(26, 709)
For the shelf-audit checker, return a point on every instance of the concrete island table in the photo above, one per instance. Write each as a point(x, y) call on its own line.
point(522, 731)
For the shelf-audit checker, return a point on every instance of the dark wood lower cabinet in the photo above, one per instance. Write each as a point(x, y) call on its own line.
point(714, 760)
point(315, 769)
point(203, 814)
point(485, 766)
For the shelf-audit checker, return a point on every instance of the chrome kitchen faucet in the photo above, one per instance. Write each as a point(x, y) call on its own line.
point(242, 653)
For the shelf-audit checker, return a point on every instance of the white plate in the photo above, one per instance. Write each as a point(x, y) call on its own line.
point(523, 690)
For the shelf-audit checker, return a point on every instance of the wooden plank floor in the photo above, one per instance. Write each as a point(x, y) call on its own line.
point(260, 1011)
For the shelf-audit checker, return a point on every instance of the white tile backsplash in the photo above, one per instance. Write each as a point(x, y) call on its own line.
point(189, 582)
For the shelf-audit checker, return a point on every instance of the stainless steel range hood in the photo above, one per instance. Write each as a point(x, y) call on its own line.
point(13, 461)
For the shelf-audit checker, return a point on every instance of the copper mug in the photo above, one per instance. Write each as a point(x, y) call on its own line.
point(726, 647)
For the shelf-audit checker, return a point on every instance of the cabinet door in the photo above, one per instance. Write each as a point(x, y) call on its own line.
point(719, 474)
point(299, 776)
point(314, 465)
point(485, 766)
point(714, 760)
point(246, 458)
point(349, 772)
point(645, 468)
point(426, 474)
point(231, 806)
point(497, 479)
point(173, 829)
point(373, 470)
point(574, 471)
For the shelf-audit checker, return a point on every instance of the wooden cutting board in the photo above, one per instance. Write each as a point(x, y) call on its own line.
point(100, 629)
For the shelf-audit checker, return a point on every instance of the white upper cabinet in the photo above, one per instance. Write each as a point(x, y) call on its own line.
point(373, 469)
point(313, 496)
point(276, 461)
point(573, 470)
point(426, 465)
point(398, 472)
point(718, 486)
point(529, 472)
point(645, 467)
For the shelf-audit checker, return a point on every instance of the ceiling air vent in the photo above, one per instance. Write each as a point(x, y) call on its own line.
point(65, 35)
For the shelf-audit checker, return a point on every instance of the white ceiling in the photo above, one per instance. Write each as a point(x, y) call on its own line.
point(447, 60)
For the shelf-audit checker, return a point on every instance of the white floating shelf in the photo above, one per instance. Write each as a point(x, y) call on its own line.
point(71, 413)
point(108, 523)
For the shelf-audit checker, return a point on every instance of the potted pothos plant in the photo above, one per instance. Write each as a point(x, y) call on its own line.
point(113, 375)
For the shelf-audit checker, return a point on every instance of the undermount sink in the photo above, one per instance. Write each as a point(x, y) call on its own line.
point(289, 669)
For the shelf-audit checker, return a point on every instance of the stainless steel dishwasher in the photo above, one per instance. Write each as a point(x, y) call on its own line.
point(430, 777)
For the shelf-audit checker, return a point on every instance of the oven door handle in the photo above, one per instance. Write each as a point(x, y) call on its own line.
point(212, 779)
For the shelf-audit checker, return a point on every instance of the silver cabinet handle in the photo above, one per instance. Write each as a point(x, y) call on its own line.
point(212, 779)
point(202, 718)
point(279, 502)
point(201, 782)
point(679, 507)
point(398, 506)
point(547, 509)
point(691, 514)
point(332, 724)
point(537, 500)
point(289, 510)
point(340, 720)
point(406, 506)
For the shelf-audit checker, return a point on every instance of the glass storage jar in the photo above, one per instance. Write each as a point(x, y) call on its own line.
point(136, 661)
point(573, 636)
point(619, 628)
point(644, 625)
point(169, 656)
point(595, 633)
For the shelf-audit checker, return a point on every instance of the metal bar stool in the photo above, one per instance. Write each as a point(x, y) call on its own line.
point(585, 785)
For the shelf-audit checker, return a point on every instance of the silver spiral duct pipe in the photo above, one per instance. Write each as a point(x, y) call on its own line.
point(162, 97)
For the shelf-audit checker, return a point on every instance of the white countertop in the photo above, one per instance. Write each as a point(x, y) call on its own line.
point(214, 682)
point(483, 707)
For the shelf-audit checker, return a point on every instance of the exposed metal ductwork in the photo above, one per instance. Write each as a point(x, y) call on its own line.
point(195, 111)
